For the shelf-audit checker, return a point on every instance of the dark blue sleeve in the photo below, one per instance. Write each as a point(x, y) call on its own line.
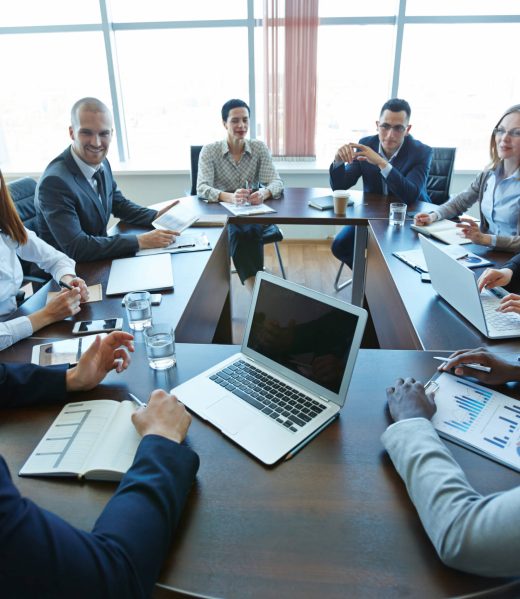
point(26, 384)
point(514, 265)
point(345, 175)
point(43, 556)
point(409, 185)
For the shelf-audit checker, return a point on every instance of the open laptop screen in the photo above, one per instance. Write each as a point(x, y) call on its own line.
point(305, 335)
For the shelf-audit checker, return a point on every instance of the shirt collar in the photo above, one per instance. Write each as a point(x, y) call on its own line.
point(381, 152)
point(225, 148)
point(87, 170)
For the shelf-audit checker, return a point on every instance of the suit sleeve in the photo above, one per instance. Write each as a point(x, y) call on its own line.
point(345, 175)
point(470, 532)
point(514, 265)
point(26, 384)
point(43, 556)
point(58, 206)
point(409, 187)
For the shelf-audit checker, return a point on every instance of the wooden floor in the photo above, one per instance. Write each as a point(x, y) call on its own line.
point(308, 263)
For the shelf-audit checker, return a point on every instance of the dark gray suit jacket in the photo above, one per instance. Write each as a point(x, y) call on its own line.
point(72, 219)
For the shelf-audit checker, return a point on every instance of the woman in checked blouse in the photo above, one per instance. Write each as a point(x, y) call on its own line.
point(229, 171)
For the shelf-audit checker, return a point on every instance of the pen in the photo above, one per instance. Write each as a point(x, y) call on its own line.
point(78, 353)
point(472, 365)
point(188, 245)
point(140, 403)
point(65, 285)
point(301, 445)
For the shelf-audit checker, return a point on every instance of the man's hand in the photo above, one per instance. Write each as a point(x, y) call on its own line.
point(493, 277)
point(344, 154)
point(408, 399)
point(365, 153)
point(166, 208)
point(164, 416)
point(423, 218)
point(241, 196)
point(101, 357)
point(503, 369)
point(258, 197)
point(74, 281)
point(471, 230)
point(159, 238)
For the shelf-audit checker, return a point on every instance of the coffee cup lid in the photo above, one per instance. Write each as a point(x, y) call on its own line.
point(340, 193)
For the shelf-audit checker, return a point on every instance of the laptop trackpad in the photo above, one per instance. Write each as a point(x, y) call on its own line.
point(229, 415)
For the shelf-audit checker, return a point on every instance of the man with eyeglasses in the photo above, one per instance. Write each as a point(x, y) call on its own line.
point(390, 163)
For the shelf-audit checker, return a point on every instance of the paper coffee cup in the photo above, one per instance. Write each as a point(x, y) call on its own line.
point(341, 197)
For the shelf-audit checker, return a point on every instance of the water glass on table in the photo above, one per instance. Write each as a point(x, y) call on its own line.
point(138, 306)
point(397, 214)
point(159, 341)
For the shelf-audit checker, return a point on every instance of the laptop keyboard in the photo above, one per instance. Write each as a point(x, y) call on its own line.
point(275, 399)
point(499, 321)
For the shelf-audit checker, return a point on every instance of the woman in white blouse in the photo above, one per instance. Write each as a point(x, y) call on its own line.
point(496, 189)
point(18, 242)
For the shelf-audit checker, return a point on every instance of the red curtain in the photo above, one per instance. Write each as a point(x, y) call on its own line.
point(290, 53)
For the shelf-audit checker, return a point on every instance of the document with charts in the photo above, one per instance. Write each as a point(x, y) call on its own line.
point(93, 439)
point(479, 418)
point(178, 218)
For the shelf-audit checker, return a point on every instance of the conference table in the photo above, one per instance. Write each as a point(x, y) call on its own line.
point(335, 520)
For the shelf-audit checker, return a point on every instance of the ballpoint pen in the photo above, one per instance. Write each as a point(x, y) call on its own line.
point(469, 365)
point(188, 245)
point(65, 285)
point(78, 353)
point(136, 400)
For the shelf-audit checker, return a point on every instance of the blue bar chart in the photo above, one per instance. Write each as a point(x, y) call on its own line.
point(479, 417)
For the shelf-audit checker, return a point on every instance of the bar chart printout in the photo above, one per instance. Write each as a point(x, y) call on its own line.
point(479, 417)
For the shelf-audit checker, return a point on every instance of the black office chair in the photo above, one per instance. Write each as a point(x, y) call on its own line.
point(22, 192)
point(437, 185)
point(271, 233)
point(439, 177)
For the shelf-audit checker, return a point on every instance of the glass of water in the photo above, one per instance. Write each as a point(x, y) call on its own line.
point(159, 341)
point(397, 214)
point(138, 306)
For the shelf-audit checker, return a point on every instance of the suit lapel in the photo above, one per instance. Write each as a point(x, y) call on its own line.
point(86, 187)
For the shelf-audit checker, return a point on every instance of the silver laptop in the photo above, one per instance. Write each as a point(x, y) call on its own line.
point(143, 273)
point(457, 284)
point(292, 375)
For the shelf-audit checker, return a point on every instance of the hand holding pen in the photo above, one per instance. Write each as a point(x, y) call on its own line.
point(487, 367)
point(72, 282)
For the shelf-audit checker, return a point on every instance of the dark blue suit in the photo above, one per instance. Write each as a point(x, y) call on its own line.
point(406, 181)
point(43, 556)
point(72, 218)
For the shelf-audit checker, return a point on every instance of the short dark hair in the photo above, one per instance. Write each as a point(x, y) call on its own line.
point(397, 105)
point(230, 104)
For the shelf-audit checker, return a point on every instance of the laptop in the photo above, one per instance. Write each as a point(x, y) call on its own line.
point(290, 378)
point(457, 284)
point(144, 273)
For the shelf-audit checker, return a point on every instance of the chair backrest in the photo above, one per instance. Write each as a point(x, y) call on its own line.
point(194, 161)
point(439, 178)
point(22, 192)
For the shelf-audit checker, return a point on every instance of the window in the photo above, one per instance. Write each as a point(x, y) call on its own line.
point(456, 101)
point(174, 83)
point(41, 86)
point(168, 10)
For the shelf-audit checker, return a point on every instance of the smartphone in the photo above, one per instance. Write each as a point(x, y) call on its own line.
point(156, 299)
point(425, 277)
point(98, 326)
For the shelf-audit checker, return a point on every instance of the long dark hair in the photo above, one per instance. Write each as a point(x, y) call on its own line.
point(10, 222)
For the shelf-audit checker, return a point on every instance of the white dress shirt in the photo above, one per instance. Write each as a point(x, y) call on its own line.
point(11, 276)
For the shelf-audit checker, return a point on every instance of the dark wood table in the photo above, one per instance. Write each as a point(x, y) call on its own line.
point(198, 307)
point(408, 314)
point(335, 521)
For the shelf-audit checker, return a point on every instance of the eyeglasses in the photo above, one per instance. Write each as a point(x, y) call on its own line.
point(503, 132)
point(395, 128)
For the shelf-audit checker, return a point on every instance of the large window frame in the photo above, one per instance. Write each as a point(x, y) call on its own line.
point(109, 28)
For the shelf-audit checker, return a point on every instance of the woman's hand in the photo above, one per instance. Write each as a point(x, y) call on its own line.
point(470, 230)
point(493, 277)
point(423, 218)
point(510, 303)
point(64, 304)
point(74, 281)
